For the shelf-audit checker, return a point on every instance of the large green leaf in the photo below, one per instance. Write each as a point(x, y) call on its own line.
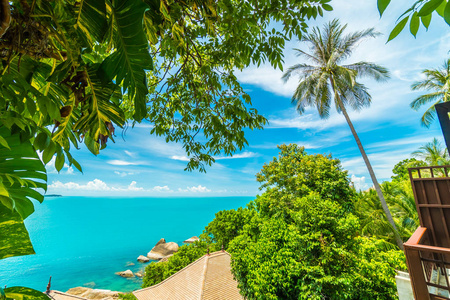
point(382, 5)
point(92, 20)
point(131, 57)
point(22, 174)
point(13, 234)
point(101, 109)
point(24, 293)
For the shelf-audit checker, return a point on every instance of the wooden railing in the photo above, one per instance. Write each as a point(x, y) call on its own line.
point(428, 249)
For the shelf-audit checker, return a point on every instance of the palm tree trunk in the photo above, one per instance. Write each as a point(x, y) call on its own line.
point(369, 167)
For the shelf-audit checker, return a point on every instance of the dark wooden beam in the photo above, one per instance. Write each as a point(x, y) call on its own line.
point(442, 111)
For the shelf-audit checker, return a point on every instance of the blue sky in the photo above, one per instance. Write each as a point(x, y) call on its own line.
point(145, 165)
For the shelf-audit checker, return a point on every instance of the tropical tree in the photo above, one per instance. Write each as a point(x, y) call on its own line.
point(433, 153)
point(438, 82)
point(73, 71)
point(328, 79)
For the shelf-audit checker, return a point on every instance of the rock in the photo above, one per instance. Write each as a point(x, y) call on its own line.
point(94, 294)
point(130, 263)
point(89, 284)
point(143, 259)
point(162, 249)
point(191, 240)
point(165, 258)
point(154, 256)
point(161, 241)
point(126, 274)
point(139, 274)
point(78, 291)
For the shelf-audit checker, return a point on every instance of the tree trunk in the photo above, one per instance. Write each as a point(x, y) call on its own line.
point(369, 167)
point(5, 16)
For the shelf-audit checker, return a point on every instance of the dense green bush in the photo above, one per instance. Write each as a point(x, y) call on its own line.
point(300, 239)
point(158, 271)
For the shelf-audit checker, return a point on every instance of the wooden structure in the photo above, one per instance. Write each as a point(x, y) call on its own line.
point(428, 249)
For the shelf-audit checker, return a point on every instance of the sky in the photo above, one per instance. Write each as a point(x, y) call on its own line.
point(142, 165)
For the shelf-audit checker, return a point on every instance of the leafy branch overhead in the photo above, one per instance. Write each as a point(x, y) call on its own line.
point(420, 12)
point(75, 70)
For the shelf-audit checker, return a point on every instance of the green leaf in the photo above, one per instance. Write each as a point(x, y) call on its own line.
point(59, 161)
point(327, 7)
point(21, 172)
point(441, 8)
point(429, 7)
point(426, 20)
point(24, 293)
point(447, 13)
point(414, 24)
point(91, 20)
point(48, 153)
point(382, 5)
point(41, 141)
point(398, 28)
point(4, 143)
point(13, 234)
point(131, 58)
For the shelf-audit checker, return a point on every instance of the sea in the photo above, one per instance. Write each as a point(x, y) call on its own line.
point(84, 241)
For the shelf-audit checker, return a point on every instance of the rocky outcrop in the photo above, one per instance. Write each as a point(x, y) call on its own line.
point(143, 259)
point(191, 240)
point(162, 249)
point(94, 294)
point(165, 258)
point(126, 274)
point(139, 274)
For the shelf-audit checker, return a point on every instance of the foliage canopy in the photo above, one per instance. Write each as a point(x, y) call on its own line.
point(75, 70)
point(420, 12)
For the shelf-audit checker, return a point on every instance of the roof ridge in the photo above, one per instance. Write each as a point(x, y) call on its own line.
point(205, 267)
point(167, 279)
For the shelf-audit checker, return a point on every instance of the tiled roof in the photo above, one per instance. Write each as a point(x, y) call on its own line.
point(57, 295)
point(207, 278)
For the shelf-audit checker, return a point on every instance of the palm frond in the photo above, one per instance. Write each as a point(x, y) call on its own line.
point(417, 103)
point(371, 70)
point(131, 58)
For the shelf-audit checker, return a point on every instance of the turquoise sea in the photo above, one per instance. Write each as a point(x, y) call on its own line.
point(83, 241)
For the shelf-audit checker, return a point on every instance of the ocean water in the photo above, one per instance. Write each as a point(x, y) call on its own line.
point(83, 241)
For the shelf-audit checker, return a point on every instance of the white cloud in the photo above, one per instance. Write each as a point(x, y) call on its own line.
point(133, 187)
point(130, 154)
point(195, 189)
point(245, 154)
point(118, 162)
point(359, 183)
point(161, 189)
point(94, 185)
point(180, 157)
point(123, 174)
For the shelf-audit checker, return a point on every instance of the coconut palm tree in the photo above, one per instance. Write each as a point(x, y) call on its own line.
point(433, 153)
point(328, 79)
point(437, 81)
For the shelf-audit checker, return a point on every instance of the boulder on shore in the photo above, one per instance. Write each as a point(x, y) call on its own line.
point(191, 240)
point(165, 258)
point(94, 294)
point(143, 259)
point(139, 274)
point(162, 249)
point(126, 274)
